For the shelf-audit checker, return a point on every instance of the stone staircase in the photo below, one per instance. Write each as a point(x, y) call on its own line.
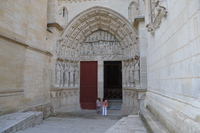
point(14, 122)
point(114, 104)
point(152, 124)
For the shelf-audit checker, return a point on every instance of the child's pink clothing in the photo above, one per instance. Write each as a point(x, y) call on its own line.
point(105, 103)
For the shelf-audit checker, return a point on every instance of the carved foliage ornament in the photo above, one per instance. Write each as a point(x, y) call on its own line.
point(158, 12)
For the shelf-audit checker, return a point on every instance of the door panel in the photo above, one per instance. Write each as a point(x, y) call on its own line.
point(88, 84)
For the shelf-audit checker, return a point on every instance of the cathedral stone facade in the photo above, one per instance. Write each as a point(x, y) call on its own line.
point(60, 55)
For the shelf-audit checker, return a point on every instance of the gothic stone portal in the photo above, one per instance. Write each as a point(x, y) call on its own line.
point(104, 36)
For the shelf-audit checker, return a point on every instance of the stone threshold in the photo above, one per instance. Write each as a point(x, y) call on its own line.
point(19, 121)
point(152, 124)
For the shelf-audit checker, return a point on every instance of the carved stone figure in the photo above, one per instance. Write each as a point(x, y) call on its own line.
point(132, 74)
point(66, 77)
point(136, 73)
point(71, 71)
point(124, 74)
point(127, 74)
point(61, 75)
point(158, 12)
point(76, 75)
point(57, 75)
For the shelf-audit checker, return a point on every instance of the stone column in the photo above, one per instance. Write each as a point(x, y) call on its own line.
point(143, 55)
point(100, 79)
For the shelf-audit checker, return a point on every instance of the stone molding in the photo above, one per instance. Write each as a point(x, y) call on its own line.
point(74, 1)
point(13, 92)
point(138, 90)
point(137, 20)
point(56, 25)
point(61, 93)
point(12, 39)
point(21, 43)
point(158, 12)
point(39, 50)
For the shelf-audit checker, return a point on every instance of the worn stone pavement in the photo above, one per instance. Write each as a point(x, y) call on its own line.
point(88, 121)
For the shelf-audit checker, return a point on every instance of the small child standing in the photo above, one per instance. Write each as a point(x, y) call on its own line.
point(104, 106)
point(98, 104)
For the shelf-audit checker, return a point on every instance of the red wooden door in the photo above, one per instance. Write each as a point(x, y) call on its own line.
point(88, 84)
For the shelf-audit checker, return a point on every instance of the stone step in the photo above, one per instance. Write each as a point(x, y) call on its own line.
point(14, 122)
point(114, 104)
point(152, 124)
point(129, 124)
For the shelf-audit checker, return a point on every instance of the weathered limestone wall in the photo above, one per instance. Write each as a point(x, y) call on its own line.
point(173, 94)
point(11, 79)
point(25, 61)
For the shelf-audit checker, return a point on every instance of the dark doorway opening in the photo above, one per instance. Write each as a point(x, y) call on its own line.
point(112, 79)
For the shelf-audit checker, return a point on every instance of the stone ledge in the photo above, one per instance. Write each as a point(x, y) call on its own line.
point(19, 121)
point(45, 108)
point(116, 125)
point(138, 90)
point(137, 20)
point(62, 89)
point(11, 92)
point(23, 43)
point(152, 124)
point(129, 124)
point(55, 24)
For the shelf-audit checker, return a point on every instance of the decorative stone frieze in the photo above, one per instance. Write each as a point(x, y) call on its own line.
point(158, 12)
point(64, 100)
point(133, 99)
point(130, 101)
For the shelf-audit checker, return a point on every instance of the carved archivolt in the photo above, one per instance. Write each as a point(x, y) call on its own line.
point(158, 12)
point(109, 30)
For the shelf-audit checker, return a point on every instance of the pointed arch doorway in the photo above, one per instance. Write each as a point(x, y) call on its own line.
point(97, 34)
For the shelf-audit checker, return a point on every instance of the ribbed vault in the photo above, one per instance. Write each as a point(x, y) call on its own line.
point(98, 18)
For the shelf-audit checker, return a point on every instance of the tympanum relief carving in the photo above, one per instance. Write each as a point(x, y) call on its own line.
point(98, 45)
